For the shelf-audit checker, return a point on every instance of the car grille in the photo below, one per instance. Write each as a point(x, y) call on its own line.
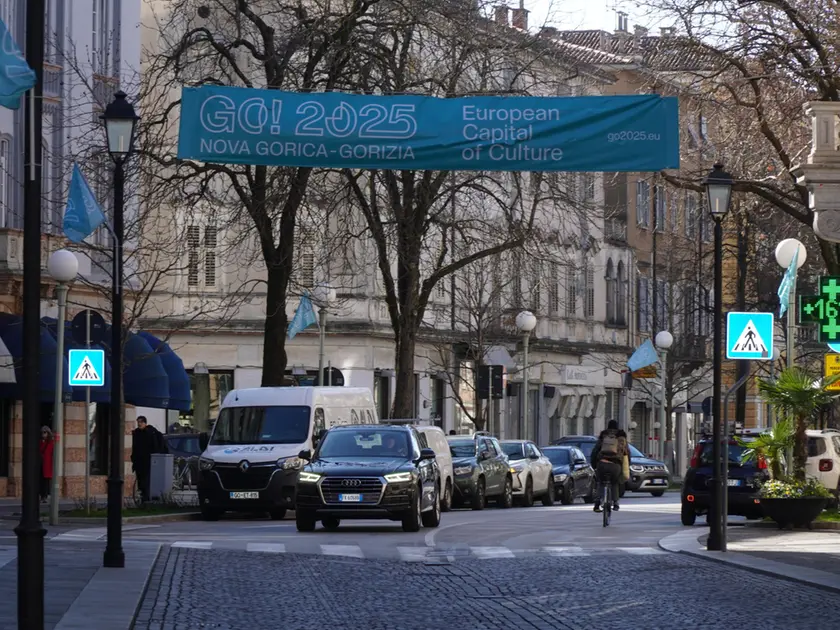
point(233, 478)
point(369, 487)
point(654, 467)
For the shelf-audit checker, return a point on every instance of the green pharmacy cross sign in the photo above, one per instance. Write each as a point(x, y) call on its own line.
point(823, 309)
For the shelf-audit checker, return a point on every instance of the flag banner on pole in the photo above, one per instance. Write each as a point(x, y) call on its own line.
point(16, 77)
point(787, 283)
point(644, 356)
point(82, 214)
point(304, 317)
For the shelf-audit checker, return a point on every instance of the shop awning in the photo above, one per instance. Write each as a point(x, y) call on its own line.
point(145, 381)
point(11, 333)
point(179, 381)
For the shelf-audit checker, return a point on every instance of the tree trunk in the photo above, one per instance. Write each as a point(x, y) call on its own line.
point(800, 450)
point(404, 364)
point(274, 331)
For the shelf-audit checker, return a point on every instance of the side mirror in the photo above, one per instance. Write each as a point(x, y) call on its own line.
point(427, 453)
point(203, 441)
point(483, 455)
point(580, 462)
point(305, 454)
point(533, 456)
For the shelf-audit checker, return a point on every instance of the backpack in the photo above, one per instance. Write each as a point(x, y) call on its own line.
point(610, 445)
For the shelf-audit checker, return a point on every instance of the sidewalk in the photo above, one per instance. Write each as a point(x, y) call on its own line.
point(78, 592)
point(809, 557)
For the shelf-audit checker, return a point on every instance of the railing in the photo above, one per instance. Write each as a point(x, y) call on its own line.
point(615, 230)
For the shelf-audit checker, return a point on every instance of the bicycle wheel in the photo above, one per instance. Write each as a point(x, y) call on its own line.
point(607, 507)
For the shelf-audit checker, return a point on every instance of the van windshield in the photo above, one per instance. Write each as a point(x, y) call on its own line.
point(262, 425)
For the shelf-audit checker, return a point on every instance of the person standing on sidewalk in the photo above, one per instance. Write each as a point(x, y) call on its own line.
point(145, 441)
point(47, 450)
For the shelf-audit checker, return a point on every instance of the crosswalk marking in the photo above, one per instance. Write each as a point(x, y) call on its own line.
point(413, 554)
point(192, 544)
point(492, 552)
point(566, 552)
point(642, 551)
point(352, 551)
point(266, 547)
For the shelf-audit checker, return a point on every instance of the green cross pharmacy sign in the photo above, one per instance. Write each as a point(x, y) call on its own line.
point(823, 309)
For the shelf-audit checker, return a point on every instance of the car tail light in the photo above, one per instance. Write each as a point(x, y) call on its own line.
point(762, 463)
point(695, 459)
point(826, 465)
point(689, 498)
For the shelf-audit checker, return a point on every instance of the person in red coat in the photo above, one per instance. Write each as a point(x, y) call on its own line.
point(47, 448)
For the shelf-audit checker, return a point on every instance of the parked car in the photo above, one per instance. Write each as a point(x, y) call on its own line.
point(744, 483)
point(482, 471)
point(435, 439)
point(823, 463)
point(531, 470)
point(573, 475)
point(646, 474)
point(368, 471)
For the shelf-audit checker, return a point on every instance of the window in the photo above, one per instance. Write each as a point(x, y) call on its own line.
point(193, 246)
point(642, 204)
point(589, 187)
point(661, 206)
point(675, 215)
point(5, 180)
point(320, 423)
point(262, 425)
point(514, 450)
point(611, 294)
point(643, 314)
point(690, 214)
point(621, 296)
point(517, 279)
point(662, 311)
point(554, 290)
point(306, 261)
point(210, 242)
point(571, 292)
point(536, 281)
point(382, 395)
point(365, 442)
point(589, 295)
point(706, 227)
point(101, 37)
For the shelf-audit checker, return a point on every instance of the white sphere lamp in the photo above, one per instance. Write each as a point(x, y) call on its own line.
point(526, 321)
point(63, 266)
point(664, 340)
point(785, 251)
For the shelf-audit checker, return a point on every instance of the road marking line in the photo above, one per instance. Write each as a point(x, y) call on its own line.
point(566, 552)
point(7, 555)
point(192, 544)
point(352, 551)
point(266, 547)
point(642, 551)
point(413, 554)
point(492, 552)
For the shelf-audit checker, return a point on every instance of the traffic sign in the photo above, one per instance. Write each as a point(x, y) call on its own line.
point(832, 368)
point(80, 324)
point(86, 368)
point(749, 336)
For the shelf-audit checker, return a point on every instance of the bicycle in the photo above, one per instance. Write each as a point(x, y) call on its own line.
point(183, 475)
point(606, 503)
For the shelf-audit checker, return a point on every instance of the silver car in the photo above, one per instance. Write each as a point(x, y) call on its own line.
point(531, 471)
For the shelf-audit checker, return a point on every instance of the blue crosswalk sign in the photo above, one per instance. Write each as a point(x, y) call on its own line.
point(86, 368)
point(749, 336)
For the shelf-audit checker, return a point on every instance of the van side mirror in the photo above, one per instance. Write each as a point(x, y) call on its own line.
point(203, 441)
point(427, 453)
point(305, 454)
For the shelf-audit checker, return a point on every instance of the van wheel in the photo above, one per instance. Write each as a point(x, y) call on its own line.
point(304, 521)
point(210, 514)
point(688, 515)
point(446, 503)
point(277, 515)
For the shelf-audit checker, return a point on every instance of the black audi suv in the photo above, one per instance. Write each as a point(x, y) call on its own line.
point(367, 472)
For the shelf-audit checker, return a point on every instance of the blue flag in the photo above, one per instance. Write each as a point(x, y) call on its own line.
point(787, 283)
point(304, 316)
point(16, 77)
point(644, 356)
point(82, 215)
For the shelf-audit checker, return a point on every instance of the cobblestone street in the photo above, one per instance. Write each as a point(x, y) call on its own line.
point(234, 590)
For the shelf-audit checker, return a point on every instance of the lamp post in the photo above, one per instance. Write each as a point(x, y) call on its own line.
point(785, 251)
point(63, 267)
point(526, 321)
point(324, 296)
point(120, 123)
point(663, 341)
point(776, 354)
point(718, 193)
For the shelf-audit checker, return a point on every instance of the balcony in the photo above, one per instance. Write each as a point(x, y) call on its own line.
point(615, 231)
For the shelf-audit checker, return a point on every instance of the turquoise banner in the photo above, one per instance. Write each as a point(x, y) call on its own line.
point(476, 133)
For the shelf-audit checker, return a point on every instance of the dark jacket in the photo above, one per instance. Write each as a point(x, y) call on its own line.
point(596, 452)
point(144, 443)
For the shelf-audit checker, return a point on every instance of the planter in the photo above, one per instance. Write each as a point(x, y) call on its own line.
point(793, 512)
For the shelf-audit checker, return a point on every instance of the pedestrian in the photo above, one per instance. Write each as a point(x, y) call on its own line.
point(47, 450)
point(452, 432)
point(146, 440)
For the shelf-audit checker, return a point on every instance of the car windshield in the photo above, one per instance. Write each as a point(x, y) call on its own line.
point(514, 450)
point(586, 447)
point(365, 443)
point(462, 448)
point(261, 425)
point(559, 457)
point(736, 451)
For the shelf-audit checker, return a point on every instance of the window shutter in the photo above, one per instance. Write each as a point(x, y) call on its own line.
point(193, 244)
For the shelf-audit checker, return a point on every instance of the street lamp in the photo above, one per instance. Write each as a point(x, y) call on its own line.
point(776, 354)
point(785, 251)
point(63, 267)
point(663, 341)
point(120, 125)
point(718, 193)
point(324, 296)
point(526, 321)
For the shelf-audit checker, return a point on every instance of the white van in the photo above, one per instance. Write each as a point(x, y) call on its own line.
point(436, 440)
point(251, 461)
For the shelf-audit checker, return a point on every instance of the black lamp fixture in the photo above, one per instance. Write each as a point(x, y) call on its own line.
point(120, 125)
point(718, 191)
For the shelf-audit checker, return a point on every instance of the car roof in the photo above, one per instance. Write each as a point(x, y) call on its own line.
point(579, 438)
point(515, 441)
point(556, 447)
point(347, 427)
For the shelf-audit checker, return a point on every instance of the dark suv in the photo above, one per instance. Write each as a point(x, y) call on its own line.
point(368, 471)
point(481, 470)
point(744, 482)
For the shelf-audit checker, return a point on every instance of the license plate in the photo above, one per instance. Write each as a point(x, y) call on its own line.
point(244, 495)
point(658, 482)
point(350, 498)
point(733, 482)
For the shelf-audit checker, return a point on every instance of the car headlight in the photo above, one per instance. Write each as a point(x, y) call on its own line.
point(205, 464)
point(462, 470)
point(517, 468)
point(637, 468)
point(290, 463)
point(400, 477)
point(667, 472)
point(308, 477)
point(561, 477)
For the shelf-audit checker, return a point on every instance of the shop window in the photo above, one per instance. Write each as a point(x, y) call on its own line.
point(99, 438)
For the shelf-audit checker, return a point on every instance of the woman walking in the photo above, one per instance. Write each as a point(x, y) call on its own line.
point(47, 448)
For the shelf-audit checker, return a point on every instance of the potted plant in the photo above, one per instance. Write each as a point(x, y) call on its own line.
point(793, 503)
point(770, 447)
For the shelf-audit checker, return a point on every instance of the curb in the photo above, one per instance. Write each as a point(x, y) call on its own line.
point(688, 542)
point(127, 520)
point(816, 525)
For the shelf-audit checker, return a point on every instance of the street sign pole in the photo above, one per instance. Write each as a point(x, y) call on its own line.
point(87, 421)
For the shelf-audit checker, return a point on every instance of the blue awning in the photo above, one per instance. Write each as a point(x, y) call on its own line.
point(180, 396)
point(145, 382)
point(97, 394)
point(11, 331)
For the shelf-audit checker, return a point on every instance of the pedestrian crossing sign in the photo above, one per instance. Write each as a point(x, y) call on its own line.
point(749, 336)
point(86, 368)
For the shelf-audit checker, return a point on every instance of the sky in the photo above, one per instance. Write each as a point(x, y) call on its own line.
point(580, 14)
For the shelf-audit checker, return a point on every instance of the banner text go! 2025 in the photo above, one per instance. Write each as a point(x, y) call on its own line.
point(407, 132)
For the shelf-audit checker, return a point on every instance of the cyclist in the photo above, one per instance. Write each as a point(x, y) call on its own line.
point(607, 457)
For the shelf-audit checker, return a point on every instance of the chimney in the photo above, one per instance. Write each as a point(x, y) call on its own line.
point(502, 15)
point(667, 31)
point(548, 32)
point(622, 22)
point(520, 17)
point(639, 31)
point(602, 41)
